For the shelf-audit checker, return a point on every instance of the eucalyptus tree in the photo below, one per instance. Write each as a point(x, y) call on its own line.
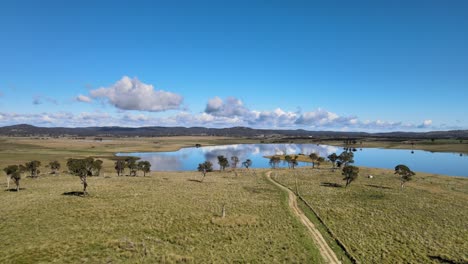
point(350, 173)
point(144, 166)
point(346, 157)
point(313, 157)
point(54, 166)
point(274, 161)
point(205, 167)
point(247, 163)
point(288, 159)
point(294, 162)
point(223, 162)
point(405, 174)
point(84, 168)
point(319, 161)
point(132, 166)
point(13, 172)
point(333, 158)
point(33, 168)
point(120, 166)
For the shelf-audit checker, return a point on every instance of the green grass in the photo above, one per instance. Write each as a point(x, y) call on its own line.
point(167, 217)
point(380, 223)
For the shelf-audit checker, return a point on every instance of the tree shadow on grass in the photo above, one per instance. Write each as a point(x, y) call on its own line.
point(378, 186)
point(331, 184)
point(193, 180)
point(441, 259)
point(14, 189)
point(80, 194)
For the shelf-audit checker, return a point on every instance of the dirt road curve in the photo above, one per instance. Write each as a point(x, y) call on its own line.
point(327, 253)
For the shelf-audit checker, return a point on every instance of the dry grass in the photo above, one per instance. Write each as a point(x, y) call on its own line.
point(380, 223)
point(168, 217)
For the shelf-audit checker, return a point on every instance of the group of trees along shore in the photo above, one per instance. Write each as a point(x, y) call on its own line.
point(87, 167)
point(223, 163)
point(344, 161)
point(83, 168)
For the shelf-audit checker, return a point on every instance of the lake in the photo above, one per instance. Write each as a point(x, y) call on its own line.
point(187, 159)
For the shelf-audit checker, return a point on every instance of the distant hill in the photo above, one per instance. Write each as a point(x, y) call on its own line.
point(29, 130)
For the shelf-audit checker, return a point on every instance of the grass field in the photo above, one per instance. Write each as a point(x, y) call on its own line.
point(167, 217)
point(426, 222)
point(171, 217)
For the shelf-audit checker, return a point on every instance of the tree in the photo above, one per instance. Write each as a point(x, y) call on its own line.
point(33, 168)
point(54, 166)
point(333, 158)
point(405, 174)
point(346, 158)
point(120, 167)
point(247, 163)
point(288, 159)
point(223, 162)
point(313, 157)
point(132, 166)
point(97, 167)
point(274, 161)
point(13, 172)
point(350, 173)
point(205, 167)
point(234, 161)
point(339, 163)
point(144, 166)
point(319, 161)
point(84, 168)
point(294, 162)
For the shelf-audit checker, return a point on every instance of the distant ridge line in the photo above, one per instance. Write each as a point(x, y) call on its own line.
point(30, 130)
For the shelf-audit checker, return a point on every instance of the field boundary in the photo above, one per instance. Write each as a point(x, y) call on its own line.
point(330, 232)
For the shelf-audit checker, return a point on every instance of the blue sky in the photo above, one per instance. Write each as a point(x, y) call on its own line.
point(317, 65)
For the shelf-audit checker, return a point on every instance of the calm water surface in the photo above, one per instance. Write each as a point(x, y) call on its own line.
point(187, 159)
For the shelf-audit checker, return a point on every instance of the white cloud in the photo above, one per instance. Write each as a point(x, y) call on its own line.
point(231, 107)
point(83, 98)
point(132, 94)
point(427, 122)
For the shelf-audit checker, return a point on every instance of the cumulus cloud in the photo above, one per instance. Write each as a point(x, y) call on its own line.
point(132, 94)
point(83, 98)
point(231, 107)
point(275, 118)
point(426, 123)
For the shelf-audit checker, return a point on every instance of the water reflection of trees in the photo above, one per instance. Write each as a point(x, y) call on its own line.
point(176, 160)
point(244, 151)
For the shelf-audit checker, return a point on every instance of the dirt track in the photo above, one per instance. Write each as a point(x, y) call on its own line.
point(327, 253)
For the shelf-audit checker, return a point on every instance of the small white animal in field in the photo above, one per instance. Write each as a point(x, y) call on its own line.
point(370, 176)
